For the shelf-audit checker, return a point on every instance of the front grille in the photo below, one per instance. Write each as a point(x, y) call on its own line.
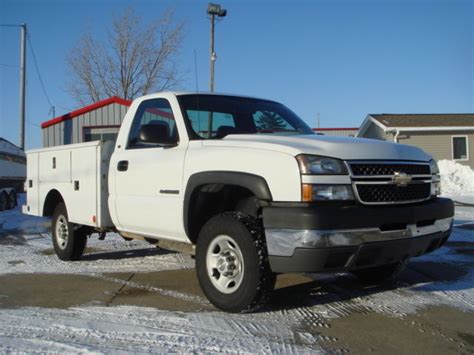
point(374, 169)
point(388, 193)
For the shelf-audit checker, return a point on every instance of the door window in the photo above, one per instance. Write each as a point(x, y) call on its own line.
point(152, 112)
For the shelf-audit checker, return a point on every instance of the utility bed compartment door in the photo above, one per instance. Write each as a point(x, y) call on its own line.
point(32, 185)
point(55, 166)
point(84, 187)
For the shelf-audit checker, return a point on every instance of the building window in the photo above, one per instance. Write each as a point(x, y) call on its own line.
point(100, 133)
point(460, 148)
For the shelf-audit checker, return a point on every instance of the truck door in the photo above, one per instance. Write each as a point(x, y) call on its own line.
point(148, 177)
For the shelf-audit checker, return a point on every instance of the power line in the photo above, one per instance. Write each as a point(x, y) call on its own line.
point(33, 124)
point(9, 65)
point(37, 71)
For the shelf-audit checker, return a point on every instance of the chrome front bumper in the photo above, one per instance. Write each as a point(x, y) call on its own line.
point(283, 242)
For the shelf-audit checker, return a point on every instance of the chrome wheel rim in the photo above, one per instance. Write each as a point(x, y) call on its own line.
point(225, 265)
point(62, 232)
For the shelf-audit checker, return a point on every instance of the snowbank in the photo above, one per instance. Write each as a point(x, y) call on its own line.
point(456, 179)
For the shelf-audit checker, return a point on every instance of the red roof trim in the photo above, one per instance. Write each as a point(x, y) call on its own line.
point(335, 129)
point(81, 111)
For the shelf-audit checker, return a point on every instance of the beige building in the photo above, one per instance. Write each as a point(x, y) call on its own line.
point(444, 136)
point(341, 132)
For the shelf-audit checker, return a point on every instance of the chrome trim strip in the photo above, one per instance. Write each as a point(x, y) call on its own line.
point(326, 179)
point(283, 242)
point(413, 182)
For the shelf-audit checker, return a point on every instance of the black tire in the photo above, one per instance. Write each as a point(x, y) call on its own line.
point(11, 200)
point(3, 201)
point(381, 274)
point(71, 244)
point(242, 234)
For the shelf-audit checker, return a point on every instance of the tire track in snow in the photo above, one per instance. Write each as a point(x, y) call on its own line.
point(138, 330)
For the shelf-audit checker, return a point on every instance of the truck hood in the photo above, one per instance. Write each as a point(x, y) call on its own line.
point(337, 147)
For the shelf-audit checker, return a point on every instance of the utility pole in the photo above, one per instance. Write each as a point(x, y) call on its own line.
point(22, 84)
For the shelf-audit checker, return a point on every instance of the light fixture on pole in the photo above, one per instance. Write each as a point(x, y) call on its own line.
point(214, 10)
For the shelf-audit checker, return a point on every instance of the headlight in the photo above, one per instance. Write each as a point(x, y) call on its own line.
point(436, 179)
point(434, 167)
point(316, 165)
point(435, 188)
point(326, 193)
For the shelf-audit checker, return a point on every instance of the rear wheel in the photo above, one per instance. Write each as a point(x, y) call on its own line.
point(69, 240)
point(232, 263)
point(381, 274)
point(11, 200)
point(3, 201)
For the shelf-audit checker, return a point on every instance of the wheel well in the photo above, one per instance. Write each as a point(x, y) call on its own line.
point(210, 199)
point(51, 201)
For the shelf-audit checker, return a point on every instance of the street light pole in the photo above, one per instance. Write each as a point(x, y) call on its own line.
point(22, 84)
point(213, 56)
point(213, 10)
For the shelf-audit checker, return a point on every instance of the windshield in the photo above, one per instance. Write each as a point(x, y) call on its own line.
point(214, 116)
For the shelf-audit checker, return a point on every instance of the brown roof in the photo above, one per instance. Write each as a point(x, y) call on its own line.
point(426, 120)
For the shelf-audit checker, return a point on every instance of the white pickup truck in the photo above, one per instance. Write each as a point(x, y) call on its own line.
point(250, 187)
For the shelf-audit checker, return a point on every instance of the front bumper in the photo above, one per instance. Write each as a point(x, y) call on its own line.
point(346, 237)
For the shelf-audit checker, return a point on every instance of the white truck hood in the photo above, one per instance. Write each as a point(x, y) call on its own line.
point(337, 147)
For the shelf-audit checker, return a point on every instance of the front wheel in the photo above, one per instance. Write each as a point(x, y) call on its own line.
point(232, 263)
point(381, 274)
point(69, 240)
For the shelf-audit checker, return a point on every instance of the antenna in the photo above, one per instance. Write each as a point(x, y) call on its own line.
point(53, 110)
point(318, 121)
point(196, 71)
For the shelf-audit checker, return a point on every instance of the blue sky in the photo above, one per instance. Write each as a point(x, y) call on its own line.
point(341, 59)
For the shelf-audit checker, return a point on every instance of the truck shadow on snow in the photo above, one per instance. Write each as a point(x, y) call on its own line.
point(125, 254)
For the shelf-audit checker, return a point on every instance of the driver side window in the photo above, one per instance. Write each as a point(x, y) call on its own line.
point(152, 112)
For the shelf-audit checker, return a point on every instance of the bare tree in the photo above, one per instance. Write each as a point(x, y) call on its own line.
point(135, 59)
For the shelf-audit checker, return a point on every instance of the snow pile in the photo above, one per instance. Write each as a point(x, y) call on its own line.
point(456, 179)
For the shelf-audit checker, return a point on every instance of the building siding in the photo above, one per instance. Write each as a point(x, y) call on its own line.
point(375, 132)
point(337, 132)
point(439, 144)
point(71, 131)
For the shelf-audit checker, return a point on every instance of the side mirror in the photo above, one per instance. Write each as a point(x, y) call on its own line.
point(156, 134)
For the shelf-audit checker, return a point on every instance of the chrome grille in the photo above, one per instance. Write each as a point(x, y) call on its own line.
point(374, 182)
point(361, 169)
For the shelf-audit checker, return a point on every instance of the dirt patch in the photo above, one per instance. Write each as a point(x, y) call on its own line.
point(439, 271)
point(53, 290)
point(436, 330)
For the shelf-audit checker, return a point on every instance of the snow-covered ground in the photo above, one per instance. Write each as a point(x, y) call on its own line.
point(25, 247)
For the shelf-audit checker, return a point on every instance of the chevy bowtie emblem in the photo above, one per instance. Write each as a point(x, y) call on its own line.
point(401, 179)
